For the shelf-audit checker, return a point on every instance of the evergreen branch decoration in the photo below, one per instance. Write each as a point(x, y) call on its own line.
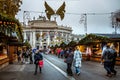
point(92, 38)
point(11, 24)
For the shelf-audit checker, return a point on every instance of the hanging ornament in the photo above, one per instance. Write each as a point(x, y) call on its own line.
point(49, 11)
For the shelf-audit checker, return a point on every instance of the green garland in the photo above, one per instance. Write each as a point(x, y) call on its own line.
point(13, 24)
point(92, 38)
point(72, 44)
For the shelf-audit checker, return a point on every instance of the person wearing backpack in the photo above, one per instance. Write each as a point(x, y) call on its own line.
point(107, 59)
point(113, 51)
point(37, 57)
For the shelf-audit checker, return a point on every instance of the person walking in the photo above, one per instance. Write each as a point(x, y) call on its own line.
point(23, 55)
point(77, 60)
point(104, 47)
point(30, 56)
point(69, 60)
point(58, 52)
point(19, 55)
point(62, 53)
point(27, 56)
point(37, 57)
point(107, 58)
point(88, 53)
point(113, 51)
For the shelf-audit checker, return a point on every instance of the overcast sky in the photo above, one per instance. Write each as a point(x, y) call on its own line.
point(95, 23)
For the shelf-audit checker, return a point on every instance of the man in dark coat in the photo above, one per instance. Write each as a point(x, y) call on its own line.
point(69, 60)
point(107, 59)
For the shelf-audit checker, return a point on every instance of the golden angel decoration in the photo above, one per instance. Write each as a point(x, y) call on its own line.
point(49, 11)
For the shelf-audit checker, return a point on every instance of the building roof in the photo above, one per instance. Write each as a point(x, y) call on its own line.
point(113, 36)
point(42, 23)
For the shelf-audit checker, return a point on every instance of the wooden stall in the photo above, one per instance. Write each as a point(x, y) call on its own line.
point(10, 32)
point(96, 45)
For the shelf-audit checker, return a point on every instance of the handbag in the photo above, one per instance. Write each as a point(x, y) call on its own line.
point(40, 63)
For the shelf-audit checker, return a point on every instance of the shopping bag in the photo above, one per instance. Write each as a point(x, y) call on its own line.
point(40, 63)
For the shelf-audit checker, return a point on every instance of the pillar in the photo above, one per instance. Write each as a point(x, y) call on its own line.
point(31, 38)
point(34, 39)
point(25, 37)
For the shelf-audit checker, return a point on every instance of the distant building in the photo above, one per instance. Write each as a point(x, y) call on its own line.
point(42, 33)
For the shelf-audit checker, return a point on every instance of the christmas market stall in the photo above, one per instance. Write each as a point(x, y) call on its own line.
point(10, 39)
point(92, 45)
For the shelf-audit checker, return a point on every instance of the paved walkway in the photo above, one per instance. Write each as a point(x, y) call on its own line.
point(55, 69)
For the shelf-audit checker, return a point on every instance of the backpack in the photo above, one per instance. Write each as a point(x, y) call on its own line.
point(114, 54)
point(109, 55)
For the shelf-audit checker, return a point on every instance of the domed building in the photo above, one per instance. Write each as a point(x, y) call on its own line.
point(42, 33)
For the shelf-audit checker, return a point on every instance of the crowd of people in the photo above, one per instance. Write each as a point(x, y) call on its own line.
point(30, 56)
point(74, 57)
point(25, 56)
point(71, 56)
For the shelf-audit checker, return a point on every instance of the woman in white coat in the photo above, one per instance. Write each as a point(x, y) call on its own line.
point(77, 60)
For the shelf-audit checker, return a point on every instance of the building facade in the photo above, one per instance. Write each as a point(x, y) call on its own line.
point(42, 33)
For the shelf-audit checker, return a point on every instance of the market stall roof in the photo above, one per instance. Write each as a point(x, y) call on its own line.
point(93, 38)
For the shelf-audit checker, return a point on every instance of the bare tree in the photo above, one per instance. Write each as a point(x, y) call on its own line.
point(116, 20)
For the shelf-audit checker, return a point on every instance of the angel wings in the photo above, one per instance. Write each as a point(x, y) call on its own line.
point(49, 11)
